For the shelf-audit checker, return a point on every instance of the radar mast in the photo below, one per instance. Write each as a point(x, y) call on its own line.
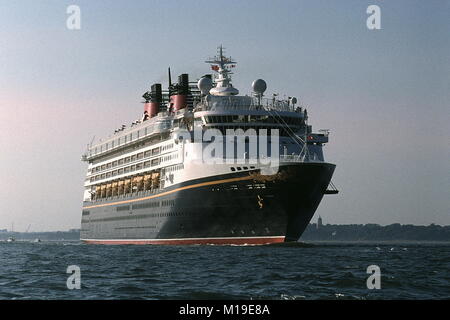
point(222, 65)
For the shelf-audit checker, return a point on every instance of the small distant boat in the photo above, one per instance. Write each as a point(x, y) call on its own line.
point(11, 238)
point(37, 240)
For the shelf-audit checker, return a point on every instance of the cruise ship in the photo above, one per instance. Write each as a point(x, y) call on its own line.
point(205, 165)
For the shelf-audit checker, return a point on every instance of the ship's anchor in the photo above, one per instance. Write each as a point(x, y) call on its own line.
point(260, 202)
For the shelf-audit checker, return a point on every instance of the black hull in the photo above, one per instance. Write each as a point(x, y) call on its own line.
point(240, 207)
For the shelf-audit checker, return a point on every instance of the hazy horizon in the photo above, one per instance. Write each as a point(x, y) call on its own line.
point(384, 94)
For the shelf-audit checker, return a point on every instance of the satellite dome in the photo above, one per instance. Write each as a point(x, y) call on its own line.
point(204, 84)
point(259, 86)
point(294, 100)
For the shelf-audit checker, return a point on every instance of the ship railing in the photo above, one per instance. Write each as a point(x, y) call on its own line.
point(213, 103)
point(292, 158)
point(306, 157)
point(127, 138)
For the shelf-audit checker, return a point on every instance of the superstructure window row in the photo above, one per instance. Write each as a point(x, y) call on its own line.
point(132, 168)
point(269, 119)
point(282, 131)
point(174, 168)
point(125, 160)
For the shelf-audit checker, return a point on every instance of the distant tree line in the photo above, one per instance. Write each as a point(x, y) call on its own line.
point(357, 232)
point(56, 235)
point(328, 232)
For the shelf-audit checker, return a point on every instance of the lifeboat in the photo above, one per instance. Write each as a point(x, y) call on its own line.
point(108, 190)
point(140, 183)
point(103, 191)
point(127, 186)
point(155, 179)
point(134, 183)
point(114, 189)
point(97, 192)
point(147, 182)
point(120, 187)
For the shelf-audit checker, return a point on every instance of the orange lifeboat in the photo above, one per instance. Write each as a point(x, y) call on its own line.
point(127, 186)
point(103, 191)
point(108, 190)
point(114, 189)
point(147, 182)
point(155, 179)
point(120, 187)
point(98, 192)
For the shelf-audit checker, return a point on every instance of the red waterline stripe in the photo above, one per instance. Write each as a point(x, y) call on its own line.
point(220, 241)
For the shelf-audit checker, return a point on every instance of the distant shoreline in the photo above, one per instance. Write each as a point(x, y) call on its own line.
point(314, 232)
point(374, 232)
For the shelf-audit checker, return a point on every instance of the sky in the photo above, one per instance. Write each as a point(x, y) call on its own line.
point(384, 94)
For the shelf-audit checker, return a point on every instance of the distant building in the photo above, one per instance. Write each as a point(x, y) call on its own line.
point(3, 230)
point(319, 222)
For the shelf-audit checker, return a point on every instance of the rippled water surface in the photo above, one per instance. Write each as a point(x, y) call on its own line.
point(300, 271)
